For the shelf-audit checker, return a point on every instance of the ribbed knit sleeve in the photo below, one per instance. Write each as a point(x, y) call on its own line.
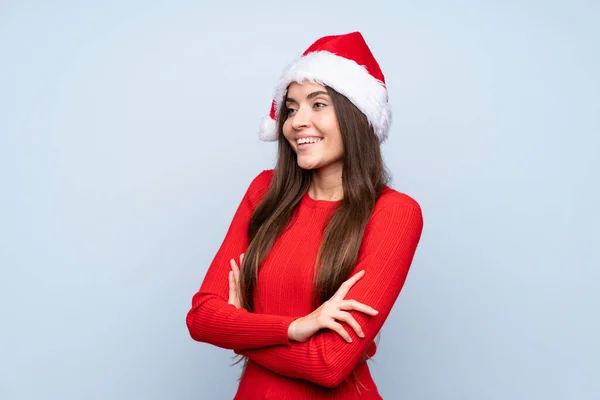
point(387, 251)
point(211, 319)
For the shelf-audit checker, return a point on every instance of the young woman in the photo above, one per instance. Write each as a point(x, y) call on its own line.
point(320, 247)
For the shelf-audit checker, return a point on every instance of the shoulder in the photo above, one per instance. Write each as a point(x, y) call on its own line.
point(390, 197)
point(393, 205)
point(396, 224)
point(259, 186)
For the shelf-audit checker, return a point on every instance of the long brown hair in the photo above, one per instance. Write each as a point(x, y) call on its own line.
point(363, 177)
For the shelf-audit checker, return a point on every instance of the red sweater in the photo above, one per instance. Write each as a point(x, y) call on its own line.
point(318, 368)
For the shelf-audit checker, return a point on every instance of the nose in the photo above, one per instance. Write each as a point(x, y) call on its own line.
point(301, 118)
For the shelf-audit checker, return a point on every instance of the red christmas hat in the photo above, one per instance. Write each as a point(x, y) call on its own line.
point(346, 64)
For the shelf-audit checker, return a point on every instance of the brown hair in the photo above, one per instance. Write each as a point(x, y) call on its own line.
point(363, 177)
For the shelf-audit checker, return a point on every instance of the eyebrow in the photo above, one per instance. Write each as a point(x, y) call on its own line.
point(310, 96)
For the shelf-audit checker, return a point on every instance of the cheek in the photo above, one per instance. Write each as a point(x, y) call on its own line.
point(286, 129)
point(333, 132)
point(287, 133)
point(337, 142)
point(329, 124)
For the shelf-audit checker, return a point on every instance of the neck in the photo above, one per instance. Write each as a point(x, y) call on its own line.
point(326, 184)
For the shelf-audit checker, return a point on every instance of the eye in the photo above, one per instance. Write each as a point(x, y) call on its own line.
point(289, 111)
point(319, 105)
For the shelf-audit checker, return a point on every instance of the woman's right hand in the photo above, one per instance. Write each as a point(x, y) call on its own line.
point(326, 315)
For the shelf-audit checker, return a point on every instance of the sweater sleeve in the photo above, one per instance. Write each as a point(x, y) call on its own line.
point(211, 318)
point(387, 251)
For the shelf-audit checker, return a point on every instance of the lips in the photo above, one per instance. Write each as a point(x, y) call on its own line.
point(309, 145)
point(308, 140)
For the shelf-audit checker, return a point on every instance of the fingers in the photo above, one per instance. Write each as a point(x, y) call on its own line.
point(355, 305)
point(232, 289)
point(349, 319)
point(345, 287)
point(334, 326)
point(235, 269)
point(234, 279)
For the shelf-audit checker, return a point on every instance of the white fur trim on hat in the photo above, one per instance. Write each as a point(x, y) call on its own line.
point(348, 78)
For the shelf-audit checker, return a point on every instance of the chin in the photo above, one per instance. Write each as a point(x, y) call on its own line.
point(308, 165)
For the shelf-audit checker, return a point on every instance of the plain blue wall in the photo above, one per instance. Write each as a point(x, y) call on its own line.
point(128, 134)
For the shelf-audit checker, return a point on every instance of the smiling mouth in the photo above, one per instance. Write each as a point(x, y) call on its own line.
point(307, 142)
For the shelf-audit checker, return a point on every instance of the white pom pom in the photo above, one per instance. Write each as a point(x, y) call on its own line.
point(268, 130)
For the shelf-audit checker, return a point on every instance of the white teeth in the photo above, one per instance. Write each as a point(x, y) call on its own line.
point(308, 140)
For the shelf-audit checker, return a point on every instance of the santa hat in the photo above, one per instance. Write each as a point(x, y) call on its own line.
point(346, 64)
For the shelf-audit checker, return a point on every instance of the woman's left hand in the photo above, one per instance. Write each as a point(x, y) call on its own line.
point(234, 283)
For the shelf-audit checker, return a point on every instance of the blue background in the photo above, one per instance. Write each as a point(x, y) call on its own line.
point(129, 133)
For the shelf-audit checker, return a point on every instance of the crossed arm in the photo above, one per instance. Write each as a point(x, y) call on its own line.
point(388, 247)
point(211, 319)
point(326, 358)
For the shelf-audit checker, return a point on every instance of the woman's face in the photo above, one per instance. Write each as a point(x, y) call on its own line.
point(311, 126)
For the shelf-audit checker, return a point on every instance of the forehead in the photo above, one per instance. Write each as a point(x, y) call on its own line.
point(303, 89)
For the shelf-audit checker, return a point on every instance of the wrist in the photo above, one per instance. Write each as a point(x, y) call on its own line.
point(291, 330)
